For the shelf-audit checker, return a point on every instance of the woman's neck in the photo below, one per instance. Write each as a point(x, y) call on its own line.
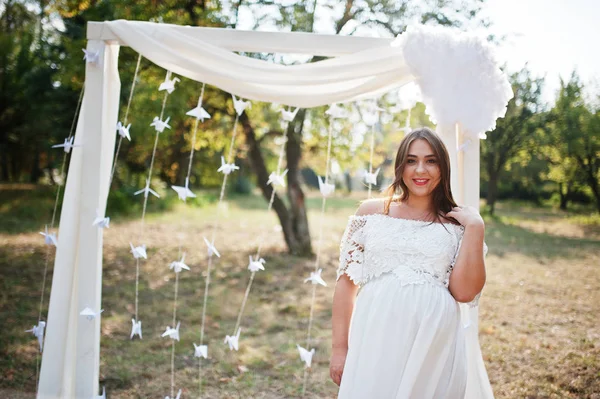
point(422, 204)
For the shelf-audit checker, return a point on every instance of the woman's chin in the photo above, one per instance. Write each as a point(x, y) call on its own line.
point(419, 191)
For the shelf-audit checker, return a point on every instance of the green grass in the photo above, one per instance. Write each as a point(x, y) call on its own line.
point(538, 316)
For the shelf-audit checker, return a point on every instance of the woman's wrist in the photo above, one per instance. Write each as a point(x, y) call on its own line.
point(475, 224)
point(339, 348)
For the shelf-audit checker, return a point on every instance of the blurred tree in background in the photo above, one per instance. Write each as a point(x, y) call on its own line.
point(528, 155)
point(572, 140)
point(513, 132)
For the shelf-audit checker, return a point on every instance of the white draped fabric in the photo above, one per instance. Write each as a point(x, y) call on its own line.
point(71, 357)
point(453, 95)
point(360, 74)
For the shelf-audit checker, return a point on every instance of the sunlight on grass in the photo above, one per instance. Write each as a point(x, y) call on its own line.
point(538, 316)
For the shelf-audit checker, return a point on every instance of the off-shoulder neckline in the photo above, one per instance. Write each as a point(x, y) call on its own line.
point(404, 219)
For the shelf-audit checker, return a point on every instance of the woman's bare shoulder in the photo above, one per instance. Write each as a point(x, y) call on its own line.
point(371, 206)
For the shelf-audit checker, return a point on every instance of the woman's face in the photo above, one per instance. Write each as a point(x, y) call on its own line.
point(421, 172)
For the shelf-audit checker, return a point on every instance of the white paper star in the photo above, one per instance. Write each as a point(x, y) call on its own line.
point(255, 265)
point(277, 180)
point(199, 112)
point(201, 351)
point(147, 190)
point(91, 57)
point(370, 116)
point(179, 265)
point(168, 84)
point(160, 125)
point(315, 278)
point(305, 355)
point(67, 145)
point(138, 252)
point(211, 248)
point(101, 222)
point(326, 189)
point(240, 105)
point(335, 111)
point(177, 397)
point(38, 332)
point(136, 328)
point(233, 341)
point(90, 314)
point(184, 192)
point(463, 147)
point(370, 119)
point(371, 106)
point(288, 115)
point(172, 333)
point(371, 178)
point(49, 238)
point(123, 130)
point(227, 168)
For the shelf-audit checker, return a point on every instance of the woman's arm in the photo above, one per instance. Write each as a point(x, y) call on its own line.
point(468, 276)
point(343, 305)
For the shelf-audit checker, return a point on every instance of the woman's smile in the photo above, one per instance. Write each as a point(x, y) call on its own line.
point(420, 182)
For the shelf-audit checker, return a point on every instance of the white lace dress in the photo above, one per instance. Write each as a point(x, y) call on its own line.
point(406, 337)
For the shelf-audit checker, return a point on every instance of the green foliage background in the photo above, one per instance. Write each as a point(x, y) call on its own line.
point(537, 153)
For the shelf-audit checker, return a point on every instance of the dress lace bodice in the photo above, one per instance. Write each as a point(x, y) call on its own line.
point(416, 252)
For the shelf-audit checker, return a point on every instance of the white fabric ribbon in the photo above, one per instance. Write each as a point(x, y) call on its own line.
point(358, 75)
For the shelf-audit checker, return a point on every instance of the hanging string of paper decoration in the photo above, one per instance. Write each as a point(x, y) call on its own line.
point(408, 96)
point(227, 167)
point(139, 251)
point(50, 238)
point(307, 353)
point(406, 128)
point(257, 263)
point(123, 128)
point(123, 131)
point(370, 118)
point(183, 192)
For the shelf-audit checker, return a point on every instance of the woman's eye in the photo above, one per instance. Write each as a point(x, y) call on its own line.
point(410, 161)
point(431, 161)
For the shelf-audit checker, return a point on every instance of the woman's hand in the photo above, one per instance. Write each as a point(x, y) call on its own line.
point(466, 216)
point(336, 365)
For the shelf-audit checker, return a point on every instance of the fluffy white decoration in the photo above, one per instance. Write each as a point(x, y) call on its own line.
point(459, 78)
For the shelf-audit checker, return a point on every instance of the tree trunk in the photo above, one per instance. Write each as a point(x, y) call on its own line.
point(289, 223)
point(295, 193)
point(564, 197)
point(595, 190)
point(591, 171)
point(35, 167)
point(14, 166)
point(4, 163)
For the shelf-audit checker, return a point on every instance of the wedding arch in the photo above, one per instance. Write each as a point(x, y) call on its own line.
point(462, 86)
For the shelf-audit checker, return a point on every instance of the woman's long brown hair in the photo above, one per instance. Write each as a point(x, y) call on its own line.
point(443, 201)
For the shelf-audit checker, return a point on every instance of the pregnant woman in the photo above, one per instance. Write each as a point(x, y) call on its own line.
point(412, 257)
